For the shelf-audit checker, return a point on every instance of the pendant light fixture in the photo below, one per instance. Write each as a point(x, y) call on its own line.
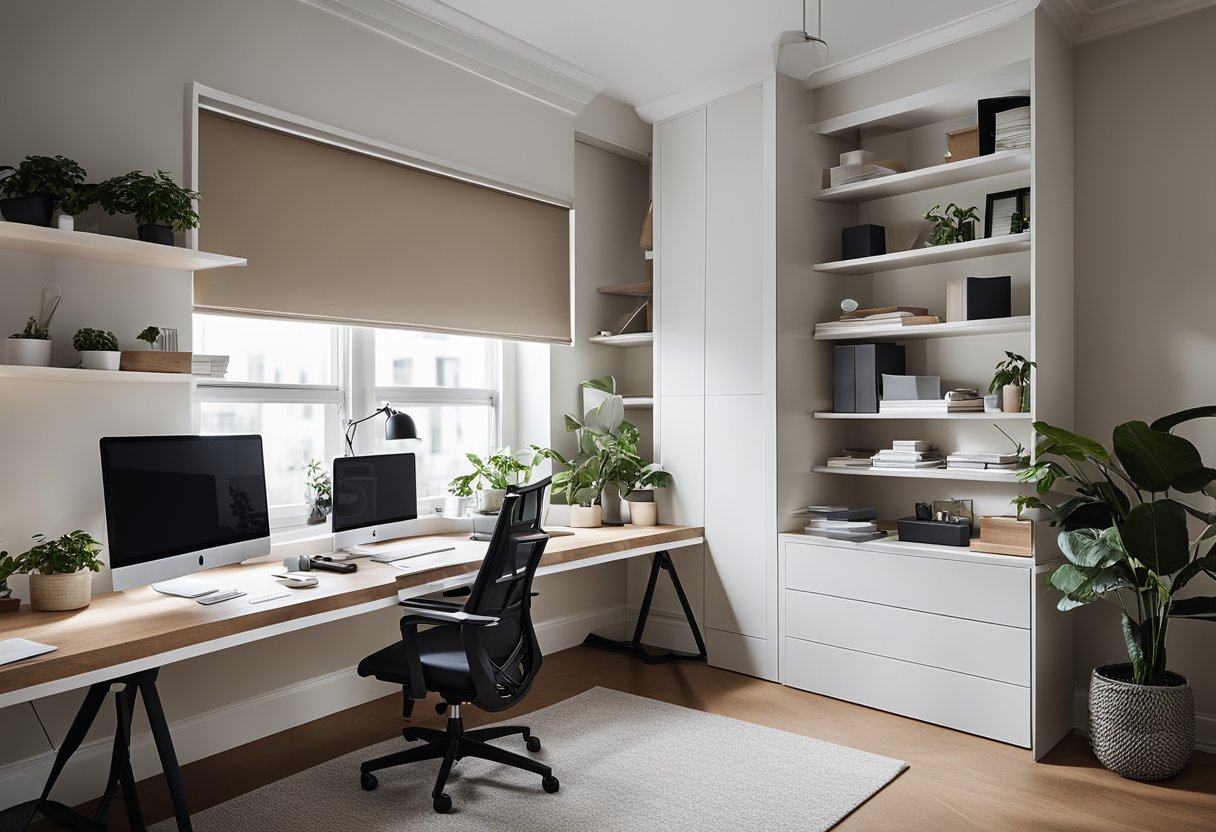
point(797, 53)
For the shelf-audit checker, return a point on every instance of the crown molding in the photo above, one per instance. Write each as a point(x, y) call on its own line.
point(1132, 14)
point(440, 31)
point(695, 97)
point(1069, 15)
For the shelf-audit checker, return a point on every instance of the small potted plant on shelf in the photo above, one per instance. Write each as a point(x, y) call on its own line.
point(491, 476)
point(318, 492)
point(31, 191)
point(160, 206)
point(148, 335)
point(1012, 382)
point(60, 570)
point(98, 349)
point(1124, 533)
point(952, 224)
point(74, 202)
point(31, 347)
point(643, 511)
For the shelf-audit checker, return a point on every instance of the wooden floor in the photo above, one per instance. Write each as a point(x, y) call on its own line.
point(956, 781)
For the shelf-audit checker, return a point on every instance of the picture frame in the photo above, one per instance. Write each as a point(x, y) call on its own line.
point(999, 209)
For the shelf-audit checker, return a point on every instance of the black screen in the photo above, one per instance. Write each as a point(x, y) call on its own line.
point(169, 495)
point(372, 490)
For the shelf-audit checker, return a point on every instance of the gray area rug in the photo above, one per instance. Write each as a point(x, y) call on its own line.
point(626, 763)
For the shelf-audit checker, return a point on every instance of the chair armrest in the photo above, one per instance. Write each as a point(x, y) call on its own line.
point(423, 615)
point(430, 604)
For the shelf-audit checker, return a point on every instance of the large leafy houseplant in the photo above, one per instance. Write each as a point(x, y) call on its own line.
point(1124, 529)
point(35, 187)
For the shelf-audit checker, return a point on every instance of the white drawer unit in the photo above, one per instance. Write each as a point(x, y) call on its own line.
point(927, 632)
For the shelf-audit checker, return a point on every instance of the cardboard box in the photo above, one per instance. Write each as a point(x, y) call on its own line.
point(963, 144)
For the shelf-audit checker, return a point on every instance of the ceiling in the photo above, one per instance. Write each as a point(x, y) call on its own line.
point(646, 50)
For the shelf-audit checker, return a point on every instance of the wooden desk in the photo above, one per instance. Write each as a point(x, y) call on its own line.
point(122, 633)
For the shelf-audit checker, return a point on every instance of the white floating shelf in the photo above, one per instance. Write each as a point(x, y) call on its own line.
point(962, 417)
point(951, 173)
point(929, 256)
point(953, 329)
point(82, 245)
point(1004, 477)
point(639, 402)
point(77, 376)
point(633, 339)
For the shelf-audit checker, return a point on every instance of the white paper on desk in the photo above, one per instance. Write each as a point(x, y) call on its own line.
point(16, 649)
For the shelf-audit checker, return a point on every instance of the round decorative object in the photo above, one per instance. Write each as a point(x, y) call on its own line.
point(100, 359)
point(1142, 732)
point(52, 593)
point(31, 210)
point(29, 352)
point(155, 233)
point(586, 517)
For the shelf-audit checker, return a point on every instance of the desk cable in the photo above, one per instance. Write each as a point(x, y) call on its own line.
point(45, 733)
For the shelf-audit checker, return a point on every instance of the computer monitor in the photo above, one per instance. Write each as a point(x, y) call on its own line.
point(178, 504)
point(375, 498)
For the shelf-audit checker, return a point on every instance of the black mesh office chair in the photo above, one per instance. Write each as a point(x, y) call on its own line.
point(483, 652)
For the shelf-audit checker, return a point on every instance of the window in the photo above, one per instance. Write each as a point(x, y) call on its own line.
point(298, 383)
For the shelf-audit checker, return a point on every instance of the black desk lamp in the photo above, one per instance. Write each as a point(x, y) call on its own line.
point(398, 426)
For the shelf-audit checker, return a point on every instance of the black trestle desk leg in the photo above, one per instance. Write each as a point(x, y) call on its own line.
point(164, 747)
point(661, 561)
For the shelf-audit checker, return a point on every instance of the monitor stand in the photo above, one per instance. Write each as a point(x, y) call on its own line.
point(185, 587)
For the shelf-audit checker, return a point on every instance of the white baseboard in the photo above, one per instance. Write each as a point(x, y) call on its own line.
point(1205, 724)
point(208, 733)
point(663, 629)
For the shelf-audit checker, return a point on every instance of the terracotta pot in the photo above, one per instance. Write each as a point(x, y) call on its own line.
point(586, 517)
point(51, 593)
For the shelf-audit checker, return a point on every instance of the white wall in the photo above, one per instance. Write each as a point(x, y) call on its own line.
point(1144, 279)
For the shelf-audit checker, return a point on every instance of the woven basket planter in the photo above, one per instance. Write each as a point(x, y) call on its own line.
point(1142, 732)
point(51, 593)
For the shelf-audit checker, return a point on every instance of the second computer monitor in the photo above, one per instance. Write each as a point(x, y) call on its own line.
point(375, 498)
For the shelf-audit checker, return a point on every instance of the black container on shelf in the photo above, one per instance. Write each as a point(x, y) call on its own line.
point(857, 371)
point(31, 210)
point(862, 241)
point(939, 532)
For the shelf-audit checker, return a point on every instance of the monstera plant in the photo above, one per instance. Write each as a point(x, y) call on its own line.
point(1125, 535)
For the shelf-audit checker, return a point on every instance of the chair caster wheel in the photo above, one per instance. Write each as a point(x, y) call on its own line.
point(550, 784)
point(533, 744)
point(408, 735)
point(442, 804)
point(368, 781)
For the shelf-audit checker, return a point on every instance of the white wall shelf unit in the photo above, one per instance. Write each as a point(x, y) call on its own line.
point(74, 375)
point(951, 173)
point(924, 474)
point(951, 329)
point(929, 256)
point(81, 245)
point(908, 417)
point(631, 339)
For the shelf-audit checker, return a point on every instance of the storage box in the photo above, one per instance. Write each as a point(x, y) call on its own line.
point(902, 388)
point(155, 361)
point(963, 144)
point(862, 241)
point(938, 532)
point(857, 374)
point(1005, 536)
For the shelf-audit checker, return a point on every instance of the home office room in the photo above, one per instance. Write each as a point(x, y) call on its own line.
point(628, 416)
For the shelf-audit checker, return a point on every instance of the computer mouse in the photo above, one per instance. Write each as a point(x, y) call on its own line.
point(297, 580)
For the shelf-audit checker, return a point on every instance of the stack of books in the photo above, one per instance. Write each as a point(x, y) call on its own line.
point(864, 320)
point(855, 523)
point(848, 174)
point(921, 407)
point(908, 454)
point(1013, 129)
point(982, 461)
point(851, 458)
point(211, 366)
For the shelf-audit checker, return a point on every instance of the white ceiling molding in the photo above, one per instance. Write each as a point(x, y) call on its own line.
point(1069, 15)
point(442, 32)
point(691, 99)
point(1113, 19)
point(925, 41)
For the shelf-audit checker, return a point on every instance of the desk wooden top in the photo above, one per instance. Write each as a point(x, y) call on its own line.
point(121, 627)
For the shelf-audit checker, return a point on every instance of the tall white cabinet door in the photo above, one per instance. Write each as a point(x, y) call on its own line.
point(734, 244)
point(680, 203)
point(739, 582)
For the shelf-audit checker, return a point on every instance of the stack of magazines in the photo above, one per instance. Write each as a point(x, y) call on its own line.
point(211, 366)
point(851, 458)
point(908, 453)
point(855, 523)
point(877, 317)
point(1013, 129)
point(983, 461)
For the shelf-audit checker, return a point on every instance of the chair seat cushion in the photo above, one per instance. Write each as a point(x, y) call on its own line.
point(445, 668)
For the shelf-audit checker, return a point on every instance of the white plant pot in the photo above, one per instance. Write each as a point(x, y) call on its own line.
point(489, 500)
point(586, 517)
point(1011, 398)
point(28, 352)
point(559, 515)
point(67, 222)
point(100, 359)
point(52, 593)
point(644, 514)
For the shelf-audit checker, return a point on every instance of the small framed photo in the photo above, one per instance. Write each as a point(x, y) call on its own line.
point(1006, 212)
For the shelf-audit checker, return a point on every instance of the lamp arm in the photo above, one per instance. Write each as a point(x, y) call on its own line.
point(353, 426)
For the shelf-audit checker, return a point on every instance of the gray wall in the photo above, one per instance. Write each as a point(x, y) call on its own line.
point(1145, 292)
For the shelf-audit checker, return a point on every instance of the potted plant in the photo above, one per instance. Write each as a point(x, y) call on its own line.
point(98, 349)
point(59, 570)
point(643, 511)
point(1124, 534)
point(160, 206)
point(149, 336)
point(318, 492)
point(31, 347)
point(1012, 382)
point(951, 224)
point(30, 192)
point(491, 476)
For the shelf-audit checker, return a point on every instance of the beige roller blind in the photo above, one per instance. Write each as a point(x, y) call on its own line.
point(341, 236)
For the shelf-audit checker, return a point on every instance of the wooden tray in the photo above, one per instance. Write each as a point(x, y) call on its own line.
point(155, 361)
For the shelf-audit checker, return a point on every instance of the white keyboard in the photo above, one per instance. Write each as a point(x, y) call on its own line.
point(416, 550)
